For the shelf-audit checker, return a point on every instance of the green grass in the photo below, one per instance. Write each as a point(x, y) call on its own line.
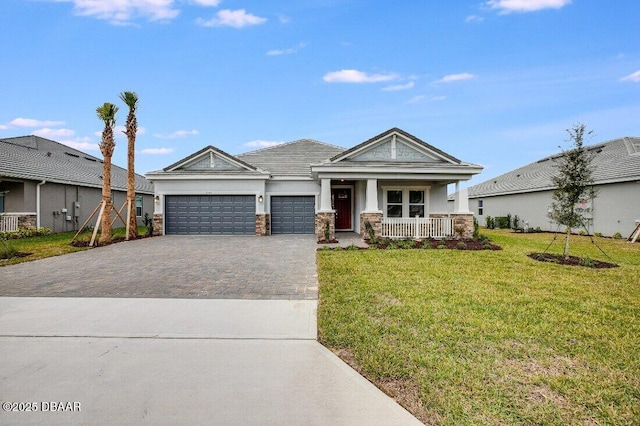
point(491, 337)
point(52, 245)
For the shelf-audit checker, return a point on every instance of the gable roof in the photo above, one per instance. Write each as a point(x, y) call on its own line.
point(36, 158)
point(407, 136)
point(292, 158)
point(614, 161)
point(228, 157)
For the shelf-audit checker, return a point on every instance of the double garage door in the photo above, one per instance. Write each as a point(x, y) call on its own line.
point(236, 214)
point(210, 214)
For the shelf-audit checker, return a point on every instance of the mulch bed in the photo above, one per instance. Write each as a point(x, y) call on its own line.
point(85, 243)
point(16, 254)
point(571, 260)
point(451, 244)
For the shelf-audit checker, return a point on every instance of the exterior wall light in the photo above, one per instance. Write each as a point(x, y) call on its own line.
point(156, 199)
point(260, 199)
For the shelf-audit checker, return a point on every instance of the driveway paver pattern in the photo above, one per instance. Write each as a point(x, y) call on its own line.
point(192, 267)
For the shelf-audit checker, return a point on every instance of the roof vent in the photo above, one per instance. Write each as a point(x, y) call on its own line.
point(90, 159)
point(48, 154)
point(72, 155)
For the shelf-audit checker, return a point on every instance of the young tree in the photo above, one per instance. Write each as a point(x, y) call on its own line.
point(131, 100)
point(107, 113)
point(573, 182)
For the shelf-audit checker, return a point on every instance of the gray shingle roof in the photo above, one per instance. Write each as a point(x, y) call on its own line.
point(292, 158)
point(614, 161)
point(36, 158)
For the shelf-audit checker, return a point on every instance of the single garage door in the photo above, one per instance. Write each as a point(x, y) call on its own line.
point(210, 214)
point(293, 214)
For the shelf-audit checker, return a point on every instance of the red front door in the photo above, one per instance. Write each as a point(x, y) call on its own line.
point(342, 205)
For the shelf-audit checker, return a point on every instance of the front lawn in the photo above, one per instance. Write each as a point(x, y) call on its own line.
point(51, 245)
point(491, 337)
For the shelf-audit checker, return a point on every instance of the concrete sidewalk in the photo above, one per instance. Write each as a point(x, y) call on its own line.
point(174, 361)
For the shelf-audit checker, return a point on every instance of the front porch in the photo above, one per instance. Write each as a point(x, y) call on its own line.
point(392, 209)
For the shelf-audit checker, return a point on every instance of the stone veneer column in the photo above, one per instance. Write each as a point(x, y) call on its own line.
point(375, 219)
point(27, 220)
point(464, 221)
point(263, 224)
point(321, 220)
point(157, 224)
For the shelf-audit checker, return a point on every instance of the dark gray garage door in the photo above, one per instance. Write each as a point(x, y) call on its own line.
point(210, 214)
point(293, 215)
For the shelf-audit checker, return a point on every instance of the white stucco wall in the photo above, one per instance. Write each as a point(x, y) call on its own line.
point(615, 209)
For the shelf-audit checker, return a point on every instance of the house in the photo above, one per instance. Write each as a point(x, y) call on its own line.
point(47, 184)
point(527, 191)
point(395, 181)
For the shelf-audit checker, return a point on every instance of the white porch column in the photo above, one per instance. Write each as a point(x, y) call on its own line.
point(461, 200)
point(325, 195)
point(372, 196)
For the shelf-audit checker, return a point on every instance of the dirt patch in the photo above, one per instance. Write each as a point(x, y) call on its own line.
point(571, 260)
point(85, 243)
point(403, 391)
point(16, 254)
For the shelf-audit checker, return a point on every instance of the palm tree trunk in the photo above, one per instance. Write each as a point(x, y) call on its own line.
point(105, 233)
point(131, 194)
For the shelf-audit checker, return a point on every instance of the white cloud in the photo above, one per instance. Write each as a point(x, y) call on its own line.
point(3, 127)
point(456, 77)
point(206, 3)
point(119, 130)
point(415, 99)
point(289, 51)
point(633, 77)
point(355, 76)
point(522, 6)
point(177, 134)
point(474, 18)
point(30, 122)
point(232, 18)
point(437, 98)
point(121, 12)
point(50, 133)
point(155, 151)
point(397, 87)
point(262, 144)
point(81, 144)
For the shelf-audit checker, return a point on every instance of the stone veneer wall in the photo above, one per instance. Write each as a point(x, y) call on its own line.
point(27, 220)
point(263, 225)
point(157, 224)
point(464, 221)
point(321, 219)
point(375, 219)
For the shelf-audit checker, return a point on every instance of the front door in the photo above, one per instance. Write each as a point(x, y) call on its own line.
point(341, 198)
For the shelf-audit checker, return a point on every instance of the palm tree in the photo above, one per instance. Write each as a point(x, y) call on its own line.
point(107, 113)
point(131, 100)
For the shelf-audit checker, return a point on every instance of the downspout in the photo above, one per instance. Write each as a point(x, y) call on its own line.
point(38, 202)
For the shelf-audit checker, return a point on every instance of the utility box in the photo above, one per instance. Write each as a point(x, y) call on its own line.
point(76, 209)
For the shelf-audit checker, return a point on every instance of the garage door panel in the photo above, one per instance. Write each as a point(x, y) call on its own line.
point(210, 214)
point(292, 214)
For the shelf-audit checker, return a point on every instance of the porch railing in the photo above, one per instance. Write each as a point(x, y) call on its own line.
point(8, 223)
point(417, 227)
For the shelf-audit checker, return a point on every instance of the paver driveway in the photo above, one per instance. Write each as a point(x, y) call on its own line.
point(198, 267)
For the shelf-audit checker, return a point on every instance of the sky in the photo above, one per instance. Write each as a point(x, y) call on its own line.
point(491, 82)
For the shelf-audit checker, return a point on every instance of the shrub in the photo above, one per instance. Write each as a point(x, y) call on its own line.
point(585, 261)
point(24, 233)
point(7, 251)
point(459, 230)
point(598, 234)
point(490, 222)
point(516, 222)
point(351, 247)
point(503, 222)
point(582, 232)
point(370, 232)
point(476, 229)
point(327, 230)
point(461, 246)
point(617, 235)
point(148, 222)
point(405, 244)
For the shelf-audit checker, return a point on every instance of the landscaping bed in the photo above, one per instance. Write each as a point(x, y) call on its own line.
point(571, 260)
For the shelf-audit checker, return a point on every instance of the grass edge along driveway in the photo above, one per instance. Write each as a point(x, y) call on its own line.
point(490, 337)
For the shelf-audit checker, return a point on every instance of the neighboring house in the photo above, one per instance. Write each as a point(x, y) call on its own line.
point(47, 184)
point(527, 191)
point(395, 181)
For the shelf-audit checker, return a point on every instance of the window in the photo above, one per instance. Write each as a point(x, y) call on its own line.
point(138, 205)
point(406, 202)
point(1, 202)
point(416, 203)
point(480, 207)
point(394, 203)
